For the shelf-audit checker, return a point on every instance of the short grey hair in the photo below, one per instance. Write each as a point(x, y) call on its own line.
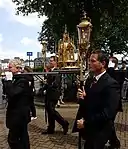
point(16, 63)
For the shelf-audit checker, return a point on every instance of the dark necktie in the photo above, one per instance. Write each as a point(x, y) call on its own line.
point(94, 81)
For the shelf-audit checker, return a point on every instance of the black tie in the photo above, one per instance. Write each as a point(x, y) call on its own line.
point(94, 81)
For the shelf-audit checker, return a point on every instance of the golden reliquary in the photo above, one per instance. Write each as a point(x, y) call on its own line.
point(66, 52)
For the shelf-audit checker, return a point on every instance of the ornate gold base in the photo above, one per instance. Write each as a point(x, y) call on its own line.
point(71, 67)
point(70, 61)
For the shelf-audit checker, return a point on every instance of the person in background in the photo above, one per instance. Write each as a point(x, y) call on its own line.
point(52, 96)
point(32, 91)
point(117, 75)
point(115, 61)
point(47, 68)
point(124, 65)
point(18, 109)
point(60, 101)
point(125, 83)
point(3, 86)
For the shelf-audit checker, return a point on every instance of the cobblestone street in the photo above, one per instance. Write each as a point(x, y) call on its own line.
point(58, 140)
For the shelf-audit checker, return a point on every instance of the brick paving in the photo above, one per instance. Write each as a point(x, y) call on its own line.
point(58, 140)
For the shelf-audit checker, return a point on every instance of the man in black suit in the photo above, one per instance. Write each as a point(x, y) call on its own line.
point(100, 99)
point(18, 109)
point(119, 76)
point(52, 96)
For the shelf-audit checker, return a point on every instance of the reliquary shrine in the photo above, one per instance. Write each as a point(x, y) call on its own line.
point(66, 52)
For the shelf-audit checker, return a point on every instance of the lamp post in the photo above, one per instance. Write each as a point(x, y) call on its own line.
point(44, 48)
point(84, 31)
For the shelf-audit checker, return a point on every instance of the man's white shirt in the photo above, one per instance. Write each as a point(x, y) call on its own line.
point(99, 76)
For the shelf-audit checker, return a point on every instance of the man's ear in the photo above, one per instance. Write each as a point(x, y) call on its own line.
point(104, 63)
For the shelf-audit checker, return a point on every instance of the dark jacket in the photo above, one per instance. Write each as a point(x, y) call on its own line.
point(53, 87)
point(3, 86)
point(18, 109)
point(99, 106)
point(30, 78)
point(119, 76)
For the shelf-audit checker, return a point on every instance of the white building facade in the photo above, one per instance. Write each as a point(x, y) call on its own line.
point(27, 63)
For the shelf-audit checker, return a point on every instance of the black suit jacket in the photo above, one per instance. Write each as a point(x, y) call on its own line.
point(30, 78)
point(119, 76)
point(18, 109)
point(99, 107)
point(53, 87)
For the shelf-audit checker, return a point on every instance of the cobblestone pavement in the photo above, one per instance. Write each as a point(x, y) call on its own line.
point(58, 140)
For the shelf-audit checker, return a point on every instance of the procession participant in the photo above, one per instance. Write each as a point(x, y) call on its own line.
point(52, 96)
point(3, 86)
point(100, 99)
point(114, 142)
point(18, 109)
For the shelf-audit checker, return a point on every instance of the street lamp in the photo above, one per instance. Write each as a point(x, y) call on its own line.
point(44, 49)
point(84, 31)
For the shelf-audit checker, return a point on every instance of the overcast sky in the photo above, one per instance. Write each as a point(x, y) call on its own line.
point(18, 34)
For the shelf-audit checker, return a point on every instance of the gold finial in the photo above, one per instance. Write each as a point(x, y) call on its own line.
point(84, 15)
point(66, 35)
point(86, 21)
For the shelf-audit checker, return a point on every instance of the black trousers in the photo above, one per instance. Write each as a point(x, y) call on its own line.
point(114, 141)
point(53, 115)
point(99, 139)
point(3, 87)
point(18, 137)
point(32, 107)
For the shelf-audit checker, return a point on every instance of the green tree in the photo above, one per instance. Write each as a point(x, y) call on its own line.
point(109, 19)
point(38, 69)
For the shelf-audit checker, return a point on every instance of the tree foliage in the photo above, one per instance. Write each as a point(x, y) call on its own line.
point(38, 69)
point(109, 20)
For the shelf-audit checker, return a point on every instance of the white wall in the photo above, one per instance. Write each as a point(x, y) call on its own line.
point(4, 65)
point(27, 64)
